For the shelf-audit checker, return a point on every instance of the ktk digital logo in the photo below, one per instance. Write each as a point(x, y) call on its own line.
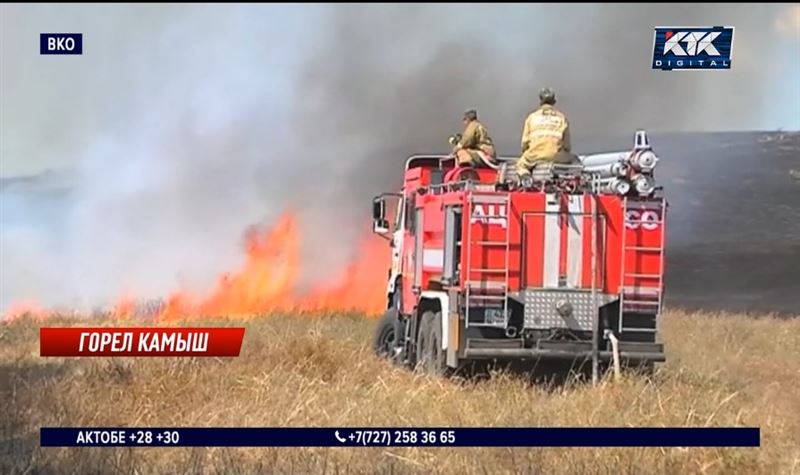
point(61, 43)
point(692, 48)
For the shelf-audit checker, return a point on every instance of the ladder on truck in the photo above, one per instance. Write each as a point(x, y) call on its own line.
point(480, 289)
point(635, 298)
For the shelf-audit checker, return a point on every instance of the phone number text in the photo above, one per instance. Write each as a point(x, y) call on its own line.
point(402, 437)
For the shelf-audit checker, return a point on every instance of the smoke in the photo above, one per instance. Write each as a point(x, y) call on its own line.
point(181, 126)
point(385, 82)
point(162, 143)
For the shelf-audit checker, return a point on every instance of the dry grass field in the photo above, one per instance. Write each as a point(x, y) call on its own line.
point(318, 370)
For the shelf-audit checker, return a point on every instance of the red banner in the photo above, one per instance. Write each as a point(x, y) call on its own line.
point(140, 341)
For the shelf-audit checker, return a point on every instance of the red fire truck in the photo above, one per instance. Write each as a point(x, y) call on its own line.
point(564, 264)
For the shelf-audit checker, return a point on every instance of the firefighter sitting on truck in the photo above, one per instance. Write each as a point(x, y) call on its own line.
point(474, 147)
point(545, 136)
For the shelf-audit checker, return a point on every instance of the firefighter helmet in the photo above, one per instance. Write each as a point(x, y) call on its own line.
point(547, 96)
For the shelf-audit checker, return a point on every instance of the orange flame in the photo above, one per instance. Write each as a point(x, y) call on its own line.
point(28, 308)
point(268, 281)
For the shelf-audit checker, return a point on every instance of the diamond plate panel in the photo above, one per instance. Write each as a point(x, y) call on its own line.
point(541, 312)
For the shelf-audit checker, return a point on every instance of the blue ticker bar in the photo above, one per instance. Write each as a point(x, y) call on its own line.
point(401, 437)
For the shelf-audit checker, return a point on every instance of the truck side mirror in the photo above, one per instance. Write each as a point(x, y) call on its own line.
point(379, 223)
point(380, 227)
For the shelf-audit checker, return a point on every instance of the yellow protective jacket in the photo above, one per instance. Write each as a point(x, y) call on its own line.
point(476, 137)
point(545, 134)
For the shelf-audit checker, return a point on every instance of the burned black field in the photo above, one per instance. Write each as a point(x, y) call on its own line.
point(734, 221)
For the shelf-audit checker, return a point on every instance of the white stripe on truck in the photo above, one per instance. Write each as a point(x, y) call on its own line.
point(433, 258)
point(575, 241)
point(552, 241)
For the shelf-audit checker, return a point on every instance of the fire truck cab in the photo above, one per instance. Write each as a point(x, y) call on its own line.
point(485, 266)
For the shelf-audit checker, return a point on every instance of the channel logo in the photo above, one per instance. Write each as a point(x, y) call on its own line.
point(692, 48)
point(61, 43)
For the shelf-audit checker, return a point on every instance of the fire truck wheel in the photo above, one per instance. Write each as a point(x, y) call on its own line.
point(430, 355)
point(385, 335)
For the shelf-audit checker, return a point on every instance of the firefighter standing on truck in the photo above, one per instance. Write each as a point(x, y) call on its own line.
point(545, 135)
point(474, 147)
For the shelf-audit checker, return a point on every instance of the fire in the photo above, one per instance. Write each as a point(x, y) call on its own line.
point(26, 308)
point(269, 280)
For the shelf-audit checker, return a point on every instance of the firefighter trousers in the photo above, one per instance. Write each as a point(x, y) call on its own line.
point(527, 163)
point(476, 157)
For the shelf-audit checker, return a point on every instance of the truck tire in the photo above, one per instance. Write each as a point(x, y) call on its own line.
point(430, 355)
point(383, 341)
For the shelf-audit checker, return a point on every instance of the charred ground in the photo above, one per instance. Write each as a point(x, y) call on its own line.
point(733, 233)
point(734, 221)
